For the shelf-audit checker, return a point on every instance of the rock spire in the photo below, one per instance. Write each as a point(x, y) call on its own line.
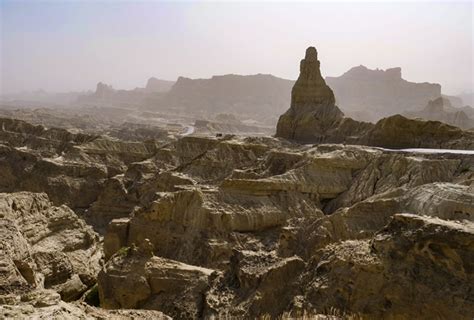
point(313, 111)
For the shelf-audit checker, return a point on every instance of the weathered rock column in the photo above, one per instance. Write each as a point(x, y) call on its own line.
point(313, 111)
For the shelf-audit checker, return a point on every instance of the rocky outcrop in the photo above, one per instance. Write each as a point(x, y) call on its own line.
point(234, 227)
point(407, 270)
point(364, 94)
point(48, 142)
point(312, 111)
point(265, 219)
point(387, 172)
point(313, 117)
point(444, 200)
point(258, 279)
point(45, 247)
point(46, 304)
point(400, 132)
point(74, 183)
point(106, 94)
point(71, 168)
point(183, 224)
point(134, 278)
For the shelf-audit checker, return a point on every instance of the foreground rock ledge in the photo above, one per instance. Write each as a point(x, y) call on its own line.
point(43, 246)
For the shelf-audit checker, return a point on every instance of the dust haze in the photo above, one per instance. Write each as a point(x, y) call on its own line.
point(243, 160)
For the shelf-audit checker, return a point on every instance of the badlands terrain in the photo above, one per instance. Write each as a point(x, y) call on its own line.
point(159, 218)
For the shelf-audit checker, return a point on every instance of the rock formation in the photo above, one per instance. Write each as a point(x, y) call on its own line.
point(410, 255)
point(46, 304)
point(261, 217)
point(148, 282)
point(313, 111)
point(361, 93)
point(204, 227)
point(71, 168)
point(45, 247)
point(219, 227)
point(364, 94)
point(313, 117)
point(400, 132)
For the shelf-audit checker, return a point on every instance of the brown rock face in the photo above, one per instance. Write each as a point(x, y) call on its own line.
point(252, 210)
point(233, 227)
point(400, 132)
point(43, 246)
point(310, 89)
point(313, 111)
point(136, 279)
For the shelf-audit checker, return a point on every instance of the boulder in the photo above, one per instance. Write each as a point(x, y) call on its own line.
point(135, 278)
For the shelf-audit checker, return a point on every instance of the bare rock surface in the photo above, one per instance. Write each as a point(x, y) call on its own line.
point(264, 220)
point(399, 132)
point(73, 169)
point(313, 111)
point(415, 267)
point(44, 246)
point(135, 278)
point(238, 227)
point(45, 305)
point(213, 227)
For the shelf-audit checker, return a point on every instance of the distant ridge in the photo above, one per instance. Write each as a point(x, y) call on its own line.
point(372, 94)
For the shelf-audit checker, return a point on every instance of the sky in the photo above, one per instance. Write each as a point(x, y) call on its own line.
point(63, 46)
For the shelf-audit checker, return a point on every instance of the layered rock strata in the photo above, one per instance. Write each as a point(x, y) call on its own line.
point(44, 246)
point(261, 215)
point(312, 111)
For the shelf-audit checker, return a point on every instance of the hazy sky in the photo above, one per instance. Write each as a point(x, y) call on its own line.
point(72, 45)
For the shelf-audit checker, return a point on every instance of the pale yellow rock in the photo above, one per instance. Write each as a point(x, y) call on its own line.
point(45, 246)
point(137, 280)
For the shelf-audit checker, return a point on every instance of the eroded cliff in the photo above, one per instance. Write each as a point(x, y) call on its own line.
point(323, 224)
